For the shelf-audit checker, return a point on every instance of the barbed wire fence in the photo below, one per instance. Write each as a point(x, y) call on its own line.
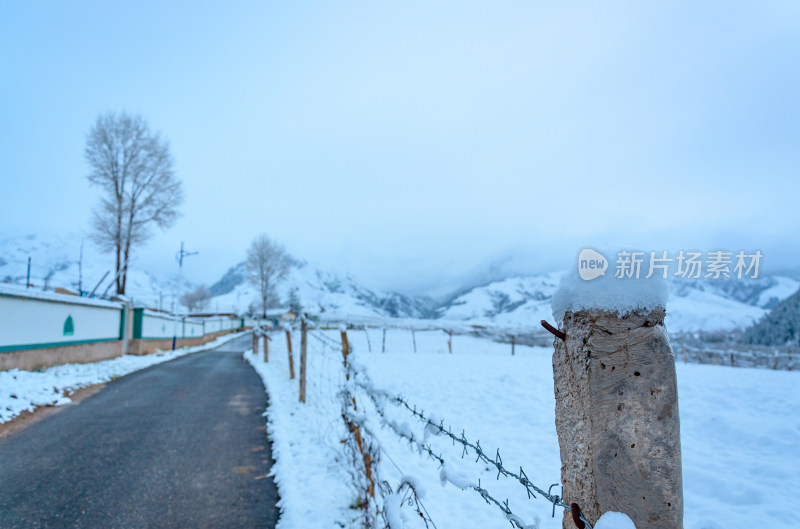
point(356, 422)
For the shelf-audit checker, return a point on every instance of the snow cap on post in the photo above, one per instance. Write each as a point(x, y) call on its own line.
point(611, 281)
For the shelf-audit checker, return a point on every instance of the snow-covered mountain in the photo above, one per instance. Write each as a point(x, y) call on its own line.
point(56, 262)
point(516, 302)
point(780, 327)
point(694, 305)
point(324, 292)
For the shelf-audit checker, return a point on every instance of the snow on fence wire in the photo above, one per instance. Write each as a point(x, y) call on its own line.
point(368, 447)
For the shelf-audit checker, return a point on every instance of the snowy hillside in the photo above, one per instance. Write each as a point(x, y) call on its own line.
point(693, 305)
point(512, 303)
point(56, 263)
point(324, 292)
point(780, 327)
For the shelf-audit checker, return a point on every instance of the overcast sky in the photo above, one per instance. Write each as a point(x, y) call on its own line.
point(418, 145)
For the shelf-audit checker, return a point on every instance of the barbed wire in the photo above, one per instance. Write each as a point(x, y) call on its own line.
point(497, 461)
point(515, 520)
point(375, 395)
point(418, 500)
point(326, 340)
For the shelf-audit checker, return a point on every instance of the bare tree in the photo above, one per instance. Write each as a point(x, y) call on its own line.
point(294, 301)
point(196, 299)
point(133, 168)
point(267, 263)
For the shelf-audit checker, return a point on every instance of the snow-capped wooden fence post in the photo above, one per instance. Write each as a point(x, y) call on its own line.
point(303, 338)
point(617, 417)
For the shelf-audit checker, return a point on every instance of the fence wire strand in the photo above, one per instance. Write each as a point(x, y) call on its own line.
point(376, 396)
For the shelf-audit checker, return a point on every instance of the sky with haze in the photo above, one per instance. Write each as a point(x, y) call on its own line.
point(418, 145)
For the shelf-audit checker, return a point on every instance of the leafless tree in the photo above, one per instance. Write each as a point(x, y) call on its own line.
point(267, 263)
point(133, 168)
point(196, 299)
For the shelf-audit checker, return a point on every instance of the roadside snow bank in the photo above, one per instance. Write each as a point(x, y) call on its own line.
point(313, 482)
point(26, 390)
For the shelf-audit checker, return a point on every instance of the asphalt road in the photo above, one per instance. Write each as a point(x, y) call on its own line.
point(180, 444)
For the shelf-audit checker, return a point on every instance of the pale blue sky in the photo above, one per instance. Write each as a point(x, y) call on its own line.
point(419, 145)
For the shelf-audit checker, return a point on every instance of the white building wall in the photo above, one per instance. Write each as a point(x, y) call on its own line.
point(29, 321)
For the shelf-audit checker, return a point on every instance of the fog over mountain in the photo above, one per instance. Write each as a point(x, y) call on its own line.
point(512, 302)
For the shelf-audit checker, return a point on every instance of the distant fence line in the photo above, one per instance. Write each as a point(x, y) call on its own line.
point(686, 348)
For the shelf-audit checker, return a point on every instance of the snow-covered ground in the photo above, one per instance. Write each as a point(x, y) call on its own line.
point(26, 390)
point(739, 429)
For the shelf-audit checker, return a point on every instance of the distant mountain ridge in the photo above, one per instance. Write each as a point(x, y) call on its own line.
point(514, 302)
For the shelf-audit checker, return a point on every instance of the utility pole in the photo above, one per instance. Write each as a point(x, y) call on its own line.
point(183, 253)
point(80, 271)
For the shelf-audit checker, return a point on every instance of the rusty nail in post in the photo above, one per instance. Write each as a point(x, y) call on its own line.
point(555, 332)
point(576, 515)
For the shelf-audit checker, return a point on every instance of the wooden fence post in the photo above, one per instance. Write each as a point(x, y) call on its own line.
point(345, 351)
point(369, 345)
point(303, 330)
point(617, 417)
point(366, 457)
point(683, 351)
point(266, 347)
point(450, 341)
point(414, 339)
point(291, 358)
point(383, 350)
point(255, 341)
point(513, 341)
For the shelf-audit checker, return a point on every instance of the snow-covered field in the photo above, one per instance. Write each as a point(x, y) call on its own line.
point(26, 390)
point(740, 433)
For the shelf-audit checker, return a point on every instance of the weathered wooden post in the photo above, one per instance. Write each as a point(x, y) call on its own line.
point(255, 341)
point(383, 348)
point(266, 346)
point(450, 341)
point(291, 358)
point(303, 330)
point(513, 340)
point(414, 340)
point(617, 404)
point(345, 349)
point(369, 345)
point(683, 351)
